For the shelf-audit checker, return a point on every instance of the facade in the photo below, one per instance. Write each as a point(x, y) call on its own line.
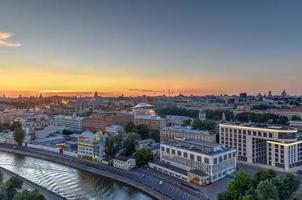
point(289, 113)
point(153, 122)
point(123, 162)
point(71, 123)
point(173, 132)
point(114, 129)
point(143, 109)
point(195, 161)
point(175, 120)
point(102, 120)
point(275, 146)
point(92, 146)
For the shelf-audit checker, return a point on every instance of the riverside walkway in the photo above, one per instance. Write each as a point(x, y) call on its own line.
point(144, 182)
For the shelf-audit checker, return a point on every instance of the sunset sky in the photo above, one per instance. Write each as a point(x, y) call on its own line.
point(139, 47)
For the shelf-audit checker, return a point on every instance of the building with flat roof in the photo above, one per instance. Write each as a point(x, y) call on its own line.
point(102, 120)
point(173, 132)
point(71, 123)
point(276, 146)
point(153, 122)
point(290, 113)
point(195, 161)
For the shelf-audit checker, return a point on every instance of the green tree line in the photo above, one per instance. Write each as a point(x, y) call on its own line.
point(265, 185)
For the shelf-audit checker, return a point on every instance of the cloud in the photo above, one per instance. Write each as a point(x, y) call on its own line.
point(4, 40)
point(143, 90)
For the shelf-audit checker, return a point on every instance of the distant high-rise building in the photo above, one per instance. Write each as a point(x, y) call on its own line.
point(283, 94)
point(270, 93)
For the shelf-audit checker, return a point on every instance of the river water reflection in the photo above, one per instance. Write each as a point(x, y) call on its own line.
point(71, 183)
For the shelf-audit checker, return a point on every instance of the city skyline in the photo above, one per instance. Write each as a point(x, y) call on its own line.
point(148, 48)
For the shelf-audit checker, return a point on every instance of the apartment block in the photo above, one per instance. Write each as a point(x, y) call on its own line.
point(173, 132)
point(195, 161)
point(275, 146)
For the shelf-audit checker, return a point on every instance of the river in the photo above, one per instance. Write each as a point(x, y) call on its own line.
point(70, 183)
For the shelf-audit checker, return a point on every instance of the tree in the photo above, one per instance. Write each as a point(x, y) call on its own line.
point(203, 125)
point(264, 175)
point(278, 182)
point(12, 185)
point(67, 132)
point(14, 125)
point(224, 196)
point(143, 131)
point(240, 185)
point(29, 195)
point(267, 191)
point(19, 136)
point(130, 127)
point(129, 143)
point(154, 134)
point(187, 122)
point(291, 184)
point(113, 144)
point(143, 156)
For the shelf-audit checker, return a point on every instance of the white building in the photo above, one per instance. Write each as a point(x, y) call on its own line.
point(123, 162)
point(195, 161)
point(143, 109)
point(275, 146)
point(173, 132)
point(114, 129)
point(71, 123)
point(288, 112)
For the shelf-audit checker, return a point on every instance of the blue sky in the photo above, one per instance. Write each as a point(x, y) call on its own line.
point(201, 47)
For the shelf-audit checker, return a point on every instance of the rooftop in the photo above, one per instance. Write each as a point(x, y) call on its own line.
point(148, 117)
point(186, 129)
point(87, 134)
point(199, 146)
point(177, 117)
point(261, 126)
point(142, 105)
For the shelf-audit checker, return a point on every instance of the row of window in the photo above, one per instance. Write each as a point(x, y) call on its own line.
point(248, 132)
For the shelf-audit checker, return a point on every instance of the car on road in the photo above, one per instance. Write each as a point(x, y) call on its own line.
point(160, 182)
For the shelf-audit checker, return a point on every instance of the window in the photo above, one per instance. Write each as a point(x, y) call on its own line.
point(199, 158)
point(270, 135)
point(185, 154)
point(162, 148)
point(192, 156)
point(179, 153)
point(173, 151)
point(167, 150)
point(206, 160)
point(215, 160)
